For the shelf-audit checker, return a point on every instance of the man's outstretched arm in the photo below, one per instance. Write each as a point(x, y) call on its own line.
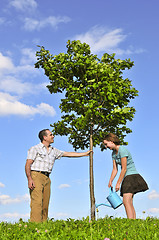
point(76, 154)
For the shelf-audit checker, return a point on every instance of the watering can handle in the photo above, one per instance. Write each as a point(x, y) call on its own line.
point(111, 190)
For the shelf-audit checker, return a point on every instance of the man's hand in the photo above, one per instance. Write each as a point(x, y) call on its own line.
point(31, 184)
point(88, 152)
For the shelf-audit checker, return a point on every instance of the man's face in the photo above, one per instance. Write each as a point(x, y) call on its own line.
point(49, 137)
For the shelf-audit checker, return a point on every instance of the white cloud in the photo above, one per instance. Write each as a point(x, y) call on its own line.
point(153, 195)
point(11, 83)
point(14, 85)
point(9, 105)
point(7, 67)
point(29, 56)
point(24, 5)
point(25, 71)
point(153, 210)
point(31, 24)
point(129, 51)
point(11, 75)
point(6, 199)
point(101, 39)
point(5, 63)
point(64, 186)
point(2, 185)
point(45, 109)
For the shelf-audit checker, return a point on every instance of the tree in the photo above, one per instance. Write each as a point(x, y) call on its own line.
point(96, 97)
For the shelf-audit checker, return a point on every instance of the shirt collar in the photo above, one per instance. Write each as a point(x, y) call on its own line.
point(43, 146)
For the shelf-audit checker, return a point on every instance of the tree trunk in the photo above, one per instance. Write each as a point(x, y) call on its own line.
point(92, 198)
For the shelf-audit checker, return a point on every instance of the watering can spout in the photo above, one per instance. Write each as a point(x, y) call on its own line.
point(104, 204)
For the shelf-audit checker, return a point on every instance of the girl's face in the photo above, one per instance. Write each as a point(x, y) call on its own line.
point(109, 144)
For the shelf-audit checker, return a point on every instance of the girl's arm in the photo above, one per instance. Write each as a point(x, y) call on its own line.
point(122, 174)
point(113, 174)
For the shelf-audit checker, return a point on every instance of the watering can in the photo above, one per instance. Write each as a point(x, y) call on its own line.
point(114, 200)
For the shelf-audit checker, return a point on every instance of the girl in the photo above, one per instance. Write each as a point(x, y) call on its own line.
point(131, 180)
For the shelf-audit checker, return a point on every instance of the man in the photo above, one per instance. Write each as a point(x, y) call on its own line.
point(39, 164)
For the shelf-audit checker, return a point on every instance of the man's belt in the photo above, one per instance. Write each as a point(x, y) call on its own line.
point(45, 173)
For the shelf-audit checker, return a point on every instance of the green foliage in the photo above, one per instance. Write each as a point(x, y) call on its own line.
point(96, 95)
point(107, 228)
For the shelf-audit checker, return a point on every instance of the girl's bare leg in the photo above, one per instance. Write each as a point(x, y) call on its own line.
point(128, 204)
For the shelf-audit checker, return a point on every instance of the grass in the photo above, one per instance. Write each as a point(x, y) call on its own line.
point(103, 229)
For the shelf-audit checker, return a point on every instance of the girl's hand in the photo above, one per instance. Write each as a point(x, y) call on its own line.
point(110, 184)
point(117, 187)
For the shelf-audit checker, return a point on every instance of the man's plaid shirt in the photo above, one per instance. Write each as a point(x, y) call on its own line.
point(43, 160)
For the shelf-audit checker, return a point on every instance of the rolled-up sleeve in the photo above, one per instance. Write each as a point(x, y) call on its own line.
point(58, 153)
point(32, 152)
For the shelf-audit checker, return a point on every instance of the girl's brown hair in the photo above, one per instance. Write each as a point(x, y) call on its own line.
point(113, 138)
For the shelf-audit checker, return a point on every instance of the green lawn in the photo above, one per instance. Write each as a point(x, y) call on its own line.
point(103, 229)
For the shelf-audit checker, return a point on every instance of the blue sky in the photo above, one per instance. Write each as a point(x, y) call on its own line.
point(127, 28)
